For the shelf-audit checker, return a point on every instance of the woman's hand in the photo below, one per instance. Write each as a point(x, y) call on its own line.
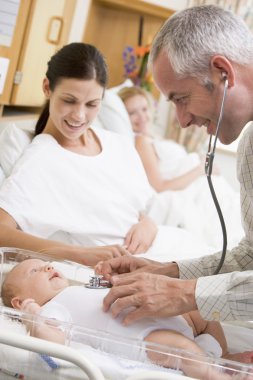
point(141, 235)
point(91, 256)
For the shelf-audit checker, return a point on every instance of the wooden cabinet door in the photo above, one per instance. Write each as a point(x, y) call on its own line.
point(47, 30)
point(11, 51)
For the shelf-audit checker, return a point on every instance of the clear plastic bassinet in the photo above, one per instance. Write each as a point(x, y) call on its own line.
point(83, 357)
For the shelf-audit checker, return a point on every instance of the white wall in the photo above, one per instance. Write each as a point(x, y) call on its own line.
point(79, 20)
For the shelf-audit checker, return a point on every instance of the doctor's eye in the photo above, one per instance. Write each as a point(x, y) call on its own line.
point(181, 100)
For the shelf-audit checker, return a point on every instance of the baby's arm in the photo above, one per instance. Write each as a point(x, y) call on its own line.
point(41, 329)
point(202, 326)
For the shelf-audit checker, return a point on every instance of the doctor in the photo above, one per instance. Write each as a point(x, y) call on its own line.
point(195, 54)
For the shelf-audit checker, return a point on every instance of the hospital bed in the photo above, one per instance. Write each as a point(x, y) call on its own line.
point(26, 357)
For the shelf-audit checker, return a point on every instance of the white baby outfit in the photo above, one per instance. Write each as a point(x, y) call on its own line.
point(83, 307)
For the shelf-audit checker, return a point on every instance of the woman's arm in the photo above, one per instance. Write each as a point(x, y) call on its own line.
point(151, 165)
point(11, 236)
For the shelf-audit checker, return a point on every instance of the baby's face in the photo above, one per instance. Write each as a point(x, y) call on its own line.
point(38, 280)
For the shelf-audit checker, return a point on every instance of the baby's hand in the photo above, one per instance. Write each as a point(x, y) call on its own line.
point(30, 306)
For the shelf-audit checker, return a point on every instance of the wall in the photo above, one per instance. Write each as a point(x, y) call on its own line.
point(171, 4)
point(82, 9)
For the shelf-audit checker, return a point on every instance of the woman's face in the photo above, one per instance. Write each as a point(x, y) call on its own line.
point(139, 112)
point(74, 104)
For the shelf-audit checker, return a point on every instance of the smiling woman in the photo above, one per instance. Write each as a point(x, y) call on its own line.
point(79, 192)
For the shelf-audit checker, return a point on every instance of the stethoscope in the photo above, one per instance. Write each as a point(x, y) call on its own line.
point(208, 170)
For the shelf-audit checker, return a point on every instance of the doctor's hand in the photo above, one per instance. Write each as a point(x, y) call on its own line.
point(125, 264)
point(141, 235)
point(149, 295)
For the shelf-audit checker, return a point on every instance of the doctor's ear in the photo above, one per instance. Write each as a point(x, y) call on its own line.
point(222, 67)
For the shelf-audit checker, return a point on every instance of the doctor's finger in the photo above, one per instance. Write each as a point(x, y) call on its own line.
point(135, 306)
point(120, 264)
point(115, 294)
point(130, 278)
point(135, 315)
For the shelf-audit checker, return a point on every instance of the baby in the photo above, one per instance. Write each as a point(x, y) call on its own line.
point(35, 287)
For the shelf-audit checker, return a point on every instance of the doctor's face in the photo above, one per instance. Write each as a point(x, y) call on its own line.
point(197, 104)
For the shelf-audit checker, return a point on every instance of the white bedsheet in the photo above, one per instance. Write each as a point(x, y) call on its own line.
point(193, 209)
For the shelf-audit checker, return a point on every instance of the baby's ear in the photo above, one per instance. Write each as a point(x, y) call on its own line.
point(16, 303)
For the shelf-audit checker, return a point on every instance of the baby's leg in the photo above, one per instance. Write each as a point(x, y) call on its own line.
point(191, 367)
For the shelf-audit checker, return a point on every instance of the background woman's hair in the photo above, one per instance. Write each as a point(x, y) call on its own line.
point(192, 36)
point(128, 92)
point(76, 60)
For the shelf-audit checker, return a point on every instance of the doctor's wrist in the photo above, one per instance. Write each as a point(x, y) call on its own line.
point(170, 269)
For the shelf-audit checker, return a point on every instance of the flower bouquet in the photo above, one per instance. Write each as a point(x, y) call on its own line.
point(135, 66)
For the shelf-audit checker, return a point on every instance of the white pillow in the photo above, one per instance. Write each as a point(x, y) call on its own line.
point(13, 141)
point(113, 114)
point(126, 83)
point(2, 175)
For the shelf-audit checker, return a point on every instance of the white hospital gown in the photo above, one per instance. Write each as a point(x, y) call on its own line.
point(57, 194)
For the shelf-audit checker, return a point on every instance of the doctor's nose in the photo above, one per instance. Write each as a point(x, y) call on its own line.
point(184, 118)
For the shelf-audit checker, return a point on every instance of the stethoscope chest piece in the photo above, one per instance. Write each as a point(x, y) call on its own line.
point(97, 282)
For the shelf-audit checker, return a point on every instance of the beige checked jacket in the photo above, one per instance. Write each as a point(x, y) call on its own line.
point(229, 295)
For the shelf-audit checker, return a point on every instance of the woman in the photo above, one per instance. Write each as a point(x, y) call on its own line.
point(76, 186)
point(169, 167)
point(154, 151)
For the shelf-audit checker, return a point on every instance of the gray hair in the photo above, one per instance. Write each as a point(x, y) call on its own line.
point(191, 37)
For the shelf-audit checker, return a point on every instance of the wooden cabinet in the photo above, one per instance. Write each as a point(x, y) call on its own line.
point(114, 24)
point(42, 27)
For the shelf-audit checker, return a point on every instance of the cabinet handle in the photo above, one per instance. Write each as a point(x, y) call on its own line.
point(54, 30)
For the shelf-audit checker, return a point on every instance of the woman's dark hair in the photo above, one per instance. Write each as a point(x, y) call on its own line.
point(76, 60)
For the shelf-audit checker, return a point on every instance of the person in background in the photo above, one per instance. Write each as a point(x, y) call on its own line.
point(35, 287)
point(161, 158)
point(197, 54)
point(179, 178)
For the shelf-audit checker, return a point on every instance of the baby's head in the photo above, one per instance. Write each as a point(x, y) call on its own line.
point(139, 106)
point(32, 278)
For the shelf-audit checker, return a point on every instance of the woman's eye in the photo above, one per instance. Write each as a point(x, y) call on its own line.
point(69, 101)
